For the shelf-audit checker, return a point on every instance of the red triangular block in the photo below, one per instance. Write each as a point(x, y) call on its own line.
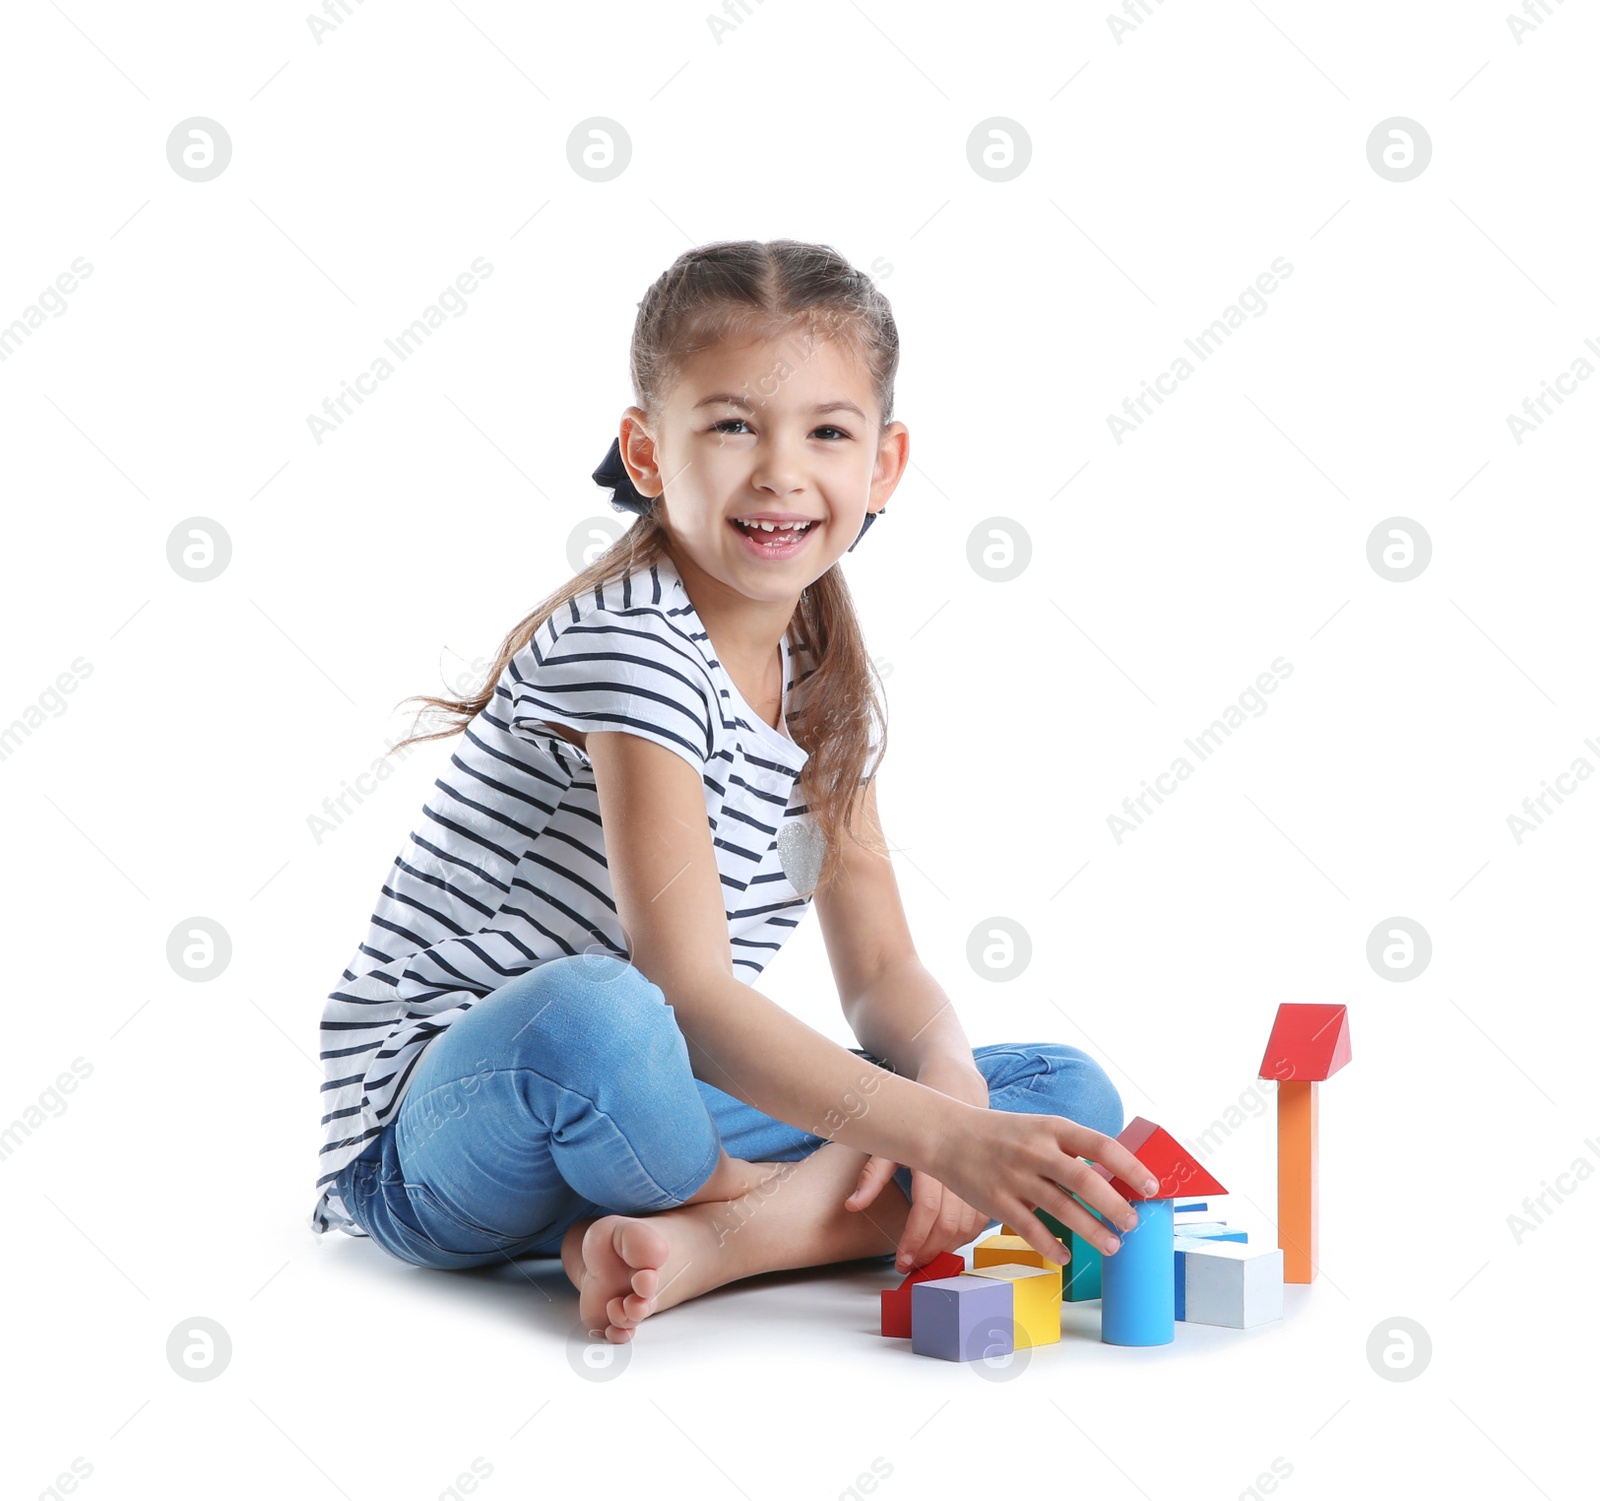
point(1307, 1042)
point(1177, 1174)
point(896, 1301)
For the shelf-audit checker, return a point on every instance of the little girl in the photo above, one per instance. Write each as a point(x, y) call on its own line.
point(549, 1042)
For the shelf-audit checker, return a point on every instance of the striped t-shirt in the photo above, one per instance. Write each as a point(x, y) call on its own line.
point(507, 867)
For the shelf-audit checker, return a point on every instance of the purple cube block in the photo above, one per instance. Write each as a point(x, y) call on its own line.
point(962, 1318)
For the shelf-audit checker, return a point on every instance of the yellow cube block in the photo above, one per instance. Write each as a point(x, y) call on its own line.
point(1006, 1229)
point(998, 1249)
point(1035, 1300)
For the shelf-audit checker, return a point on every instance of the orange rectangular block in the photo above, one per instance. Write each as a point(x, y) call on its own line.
point(1297, 1178)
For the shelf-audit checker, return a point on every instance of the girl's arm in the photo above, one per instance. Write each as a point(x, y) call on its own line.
point(669, 899)
point(896, 1009)
point(668, 893)
point(904, 1016)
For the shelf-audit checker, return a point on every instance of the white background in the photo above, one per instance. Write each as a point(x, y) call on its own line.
point(1167, 171)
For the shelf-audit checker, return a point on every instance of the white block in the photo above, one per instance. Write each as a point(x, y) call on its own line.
point(1237, 1286)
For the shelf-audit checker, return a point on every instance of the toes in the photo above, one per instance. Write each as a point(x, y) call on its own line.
point(640, 1248)
point(624, 1317)
point(647, 1281)
point(628, 1309)
point(640, 1244)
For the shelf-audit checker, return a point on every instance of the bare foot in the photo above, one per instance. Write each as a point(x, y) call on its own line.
point(627, 1267)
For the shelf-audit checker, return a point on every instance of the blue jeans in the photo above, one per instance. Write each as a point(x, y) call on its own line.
point(567, 1094)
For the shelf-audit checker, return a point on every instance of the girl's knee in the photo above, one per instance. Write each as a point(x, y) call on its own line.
point(584, 1003)
point(1079, 1088)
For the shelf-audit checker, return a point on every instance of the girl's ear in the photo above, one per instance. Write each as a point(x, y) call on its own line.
point(894, 453)
point(637, 444)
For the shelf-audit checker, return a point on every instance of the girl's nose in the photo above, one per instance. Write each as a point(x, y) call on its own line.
point(780, 468)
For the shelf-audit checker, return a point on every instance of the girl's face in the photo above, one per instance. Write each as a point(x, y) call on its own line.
point(780, 430)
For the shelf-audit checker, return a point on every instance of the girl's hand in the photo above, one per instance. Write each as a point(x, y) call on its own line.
point(939, 1221)
point(1007, 1165)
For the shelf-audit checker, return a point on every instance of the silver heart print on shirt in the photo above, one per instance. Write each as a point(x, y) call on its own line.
point(801, 847)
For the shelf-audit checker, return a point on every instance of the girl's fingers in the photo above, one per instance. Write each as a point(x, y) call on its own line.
point(1032, 1229)
point(1105, 1235)
point(1098, 1194)
point(927, 1194)
point(955, 1223)
point(876, 1172)
point(1124, 1164)
point(952, 1230)
point(941, 1232)
point(1094, 1189)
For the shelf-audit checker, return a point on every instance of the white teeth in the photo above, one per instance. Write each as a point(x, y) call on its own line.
point(777, 526)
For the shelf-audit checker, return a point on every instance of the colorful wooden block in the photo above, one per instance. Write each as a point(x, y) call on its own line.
point(1036, 1300)
point(1136, 1302)
point(1215, 1231)
point(1081, 1276)
point(1225, 1283)
point(1189, 1208)
point(1170, 1164)
point(1297, 1178)
point(963, 1318)
point(996, 1250)
point(895, 1302)
point(1308, 1042)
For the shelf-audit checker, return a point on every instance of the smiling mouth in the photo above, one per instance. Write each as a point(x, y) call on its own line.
point(775, 535)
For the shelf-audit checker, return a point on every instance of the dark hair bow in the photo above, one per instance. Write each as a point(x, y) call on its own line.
point(613, 476)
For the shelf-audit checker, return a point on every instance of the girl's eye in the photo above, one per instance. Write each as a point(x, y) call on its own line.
point(728, 423)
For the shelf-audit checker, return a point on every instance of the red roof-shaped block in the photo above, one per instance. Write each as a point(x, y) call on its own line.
point(895, 1302)
point(1308, 1042)
point(1175, 1171)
